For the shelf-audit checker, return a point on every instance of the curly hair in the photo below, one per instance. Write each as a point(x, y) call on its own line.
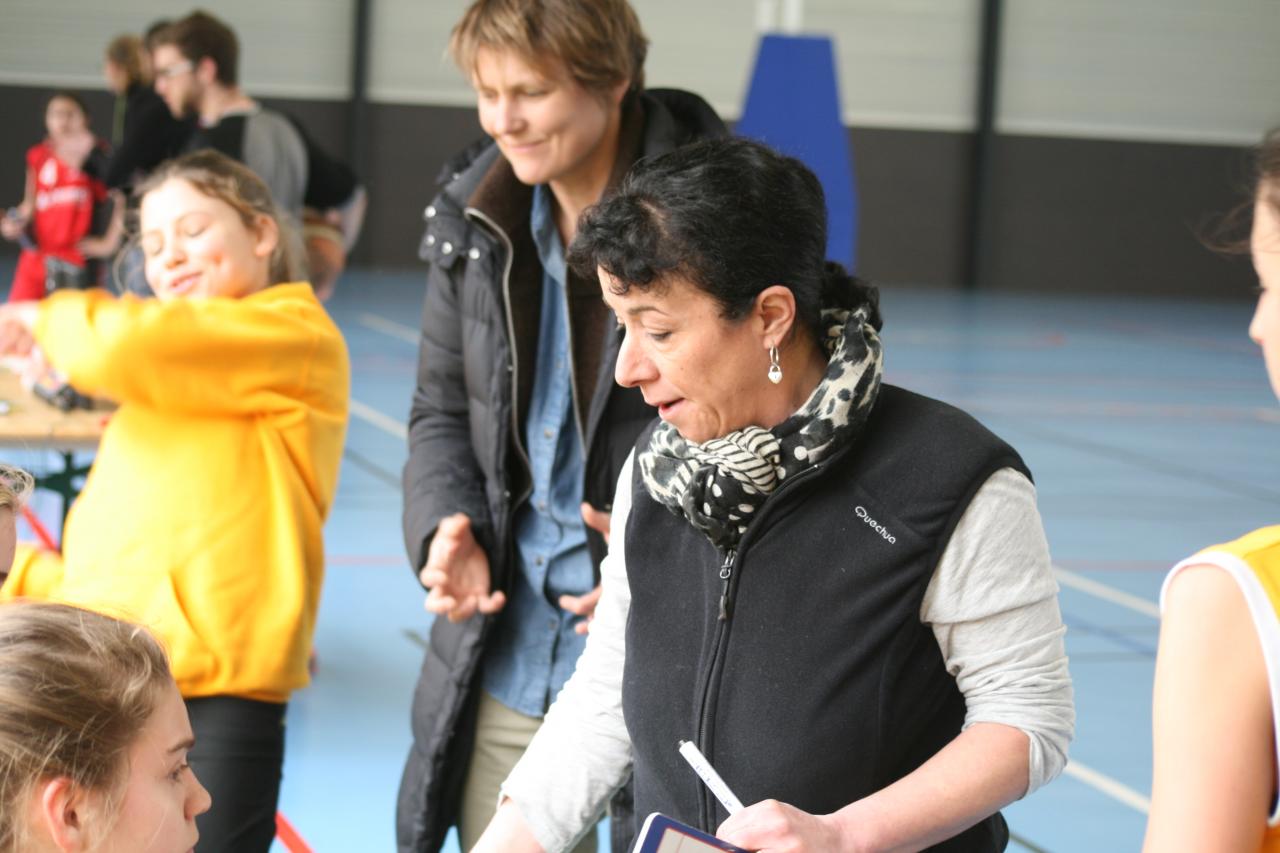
point(732, 217)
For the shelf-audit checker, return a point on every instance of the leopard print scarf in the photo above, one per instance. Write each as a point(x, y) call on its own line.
point(718, 485)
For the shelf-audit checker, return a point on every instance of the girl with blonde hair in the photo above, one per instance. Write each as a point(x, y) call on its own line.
point(202, 515)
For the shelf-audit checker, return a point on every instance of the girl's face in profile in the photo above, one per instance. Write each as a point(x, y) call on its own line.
point(162, 796)
point(195, 245)
point(63, 118)
point(1264, 243)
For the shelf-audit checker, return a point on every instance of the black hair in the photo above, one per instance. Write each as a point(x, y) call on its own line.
point(730, 215)
point(67, 95)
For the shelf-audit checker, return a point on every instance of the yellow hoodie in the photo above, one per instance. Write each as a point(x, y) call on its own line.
point(202, 515)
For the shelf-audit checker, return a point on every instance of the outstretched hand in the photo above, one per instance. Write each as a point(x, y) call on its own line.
point(585, 605)
point(17, 320)
point(11, 227)
point(457, 573)
point(582, 605)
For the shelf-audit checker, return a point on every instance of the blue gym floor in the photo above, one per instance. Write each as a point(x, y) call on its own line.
point(1148, 425)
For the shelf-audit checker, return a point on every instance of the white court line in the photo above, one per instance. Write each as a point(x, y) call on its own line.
point(1116, 790)
point(1107, 593)
point(399, 331)
point(374, 418)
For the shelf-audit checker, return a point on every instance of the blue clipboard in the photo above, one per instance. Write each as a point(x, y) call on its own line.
point(661, 834)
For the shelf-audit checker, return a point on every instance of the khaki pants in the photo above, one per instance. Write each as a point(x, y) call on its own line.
point(501, 738)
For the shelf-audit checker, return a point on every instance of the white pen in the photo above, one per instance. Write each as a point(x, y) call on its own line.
point(708, 774)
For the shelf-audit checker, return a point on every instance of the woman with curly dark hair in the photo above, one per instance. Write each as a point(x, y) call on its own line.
point(839, 590)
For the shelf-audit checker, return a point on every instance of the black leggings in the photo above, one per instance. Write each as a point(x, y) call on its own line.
point(238, 756)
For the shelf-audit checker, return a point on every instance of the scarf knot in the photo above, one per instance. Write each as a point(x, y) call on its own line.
point(719, 485)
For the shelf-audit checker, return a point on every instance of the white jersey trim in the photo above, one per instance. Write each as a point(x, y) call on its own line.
point(1265, 622)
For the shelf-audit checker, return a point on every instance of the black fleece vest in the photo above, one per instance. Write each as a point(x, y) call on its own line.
point(820, 685)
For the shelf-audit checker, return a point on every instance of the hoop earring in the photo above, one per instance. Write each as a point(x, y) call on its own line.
point(775, 369)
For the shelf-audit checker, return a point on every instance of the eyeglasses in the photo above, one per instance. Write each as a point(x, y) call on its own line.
point(174, 70)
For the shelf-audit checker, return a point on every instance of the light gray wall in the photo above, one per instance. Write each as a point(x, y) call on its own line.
point(1122, 121)
point(1203, 71)
point(288, 48)
point(1148, 70)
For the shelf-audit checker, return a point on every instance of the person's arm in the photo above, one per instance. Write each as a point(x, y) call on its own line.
point(992, 603)
point(106, 243)
point(581, 754)
point(938, 800)
point(28, 203)
point(1212, 723)
point(993, 606)
point(11, 227)
point(259, 354)
point(442, 476)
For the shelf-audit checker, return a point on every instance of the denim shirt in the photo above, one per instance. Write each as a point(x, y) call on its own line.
point(535, 647)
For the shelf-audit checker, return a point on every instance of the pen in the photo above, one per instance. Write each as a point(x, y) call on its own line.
point(708, 774)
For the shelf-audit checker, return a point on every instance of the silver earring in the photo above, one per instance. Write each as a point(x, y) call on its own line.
point(775, 369)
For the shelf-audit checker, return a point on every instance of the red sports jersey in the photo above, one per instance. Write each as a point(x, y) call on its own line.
point(64, 204)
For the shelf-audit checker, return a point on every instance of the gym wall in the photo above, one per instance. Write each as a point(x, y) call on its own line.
point(1122, 127)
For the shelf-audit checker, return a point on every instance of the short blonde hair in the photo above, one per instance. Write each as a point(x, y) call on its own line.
point(126, 51)
point(76, 690)
point(599, 42)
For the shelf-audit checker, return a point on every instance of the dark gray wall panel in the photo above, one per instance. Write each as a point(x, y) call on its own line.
point(1096, 216)
point(1067, 214)
point(912, 188)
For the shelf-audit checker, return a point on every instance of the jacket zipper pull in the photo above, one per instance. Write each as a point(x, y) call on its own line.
point(726, 571)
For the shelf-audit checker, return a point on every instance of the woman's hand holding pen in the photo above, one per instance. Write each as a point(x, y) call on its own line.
point(457, 573)
point(773, 827)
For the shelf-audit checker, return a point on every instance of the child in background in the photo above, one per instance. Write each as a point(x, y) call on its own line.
point(56, 213)
point(202, 515)
point(1216, 708)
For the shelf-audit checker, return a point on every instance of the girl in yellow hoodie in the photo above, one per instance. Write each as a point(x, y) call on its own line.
point(202, 514)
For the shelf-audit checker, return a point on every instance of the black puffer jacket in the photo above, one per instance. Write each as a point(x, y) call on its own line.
point(475, 376)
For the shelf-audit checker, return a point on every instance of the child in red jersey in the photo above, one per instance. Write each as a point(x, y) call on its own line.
point(56, 212)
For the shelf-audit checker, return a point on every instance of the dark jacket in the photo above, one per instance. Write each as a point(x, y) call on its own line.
point(151, 135)
point(822, 685)
point(476, 364)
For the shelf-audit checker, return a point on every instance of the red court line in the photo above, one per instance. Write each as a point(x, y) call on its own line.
point(37, 527)
point(290, 837)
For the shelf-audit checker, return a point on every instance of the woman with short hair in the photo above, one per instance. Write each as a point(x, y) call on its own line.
point(515, 422)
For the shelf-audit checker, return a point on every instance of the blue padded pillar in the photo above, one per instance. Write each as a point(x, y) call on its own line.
point(794, 105)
